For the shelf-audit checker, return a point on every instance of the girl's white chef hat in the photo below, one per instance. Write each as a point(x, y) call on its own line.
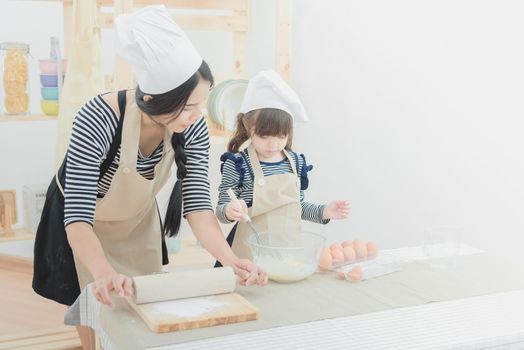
point(162, 56)
point(267, 89)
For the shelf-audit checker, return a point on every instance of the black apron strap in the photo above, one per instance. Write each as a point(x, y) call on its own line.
point(115, 144)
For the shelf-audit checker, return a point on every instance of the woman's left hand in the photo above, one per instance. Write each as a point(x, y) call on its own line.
point(249, 273)
point(336, 210)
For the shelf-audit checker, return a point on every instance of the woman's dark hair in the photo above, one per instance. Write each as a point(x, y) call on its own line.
point(262, 122)
point(172, 102)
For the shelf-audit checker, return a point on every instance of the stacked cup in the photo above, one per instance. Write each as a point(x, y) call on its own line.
point(50, 88)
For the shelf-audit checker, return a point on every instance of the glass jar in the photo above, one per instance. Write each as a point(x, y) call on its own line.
point(15, 69)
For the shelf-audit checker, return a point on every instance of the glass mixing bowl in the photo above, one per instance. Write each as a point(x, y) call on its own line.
point(287, 257)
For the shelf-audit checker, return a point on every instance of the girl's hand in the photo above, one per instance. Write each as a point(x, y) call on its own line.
point(237, 211)
point(249, 273)
point(336, 210)
point(106, 283)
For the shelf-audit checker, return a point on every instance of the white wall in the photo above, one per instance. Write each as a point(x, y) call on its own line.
point(415, 111)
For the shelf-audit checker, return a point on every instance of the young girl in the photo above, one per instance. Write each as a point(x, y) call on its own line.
point(268, 178)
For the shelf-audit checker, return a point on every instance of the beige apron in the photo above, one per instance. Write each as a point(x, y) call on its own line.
point(276, 207)
point(126, 219)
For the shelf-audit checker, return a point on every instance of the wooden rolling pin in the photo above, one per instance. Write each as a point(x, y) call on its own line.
point(183, 284)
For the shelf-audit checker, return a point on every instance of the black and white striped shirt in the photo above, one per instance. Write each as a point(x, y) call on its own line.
point(237, 175)
point(93, 131)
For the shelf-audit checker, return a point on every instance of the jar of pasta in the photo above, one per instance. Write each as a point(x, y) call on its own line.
point(15, 73)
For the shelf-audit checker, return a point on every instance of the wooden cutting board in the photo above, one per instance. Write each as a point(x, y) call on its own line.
point(199, 312)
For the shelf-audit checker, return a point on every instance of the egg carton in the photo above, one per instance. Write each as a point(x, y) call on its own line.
point(354, 262)
point(368, 269)
point(339, 254)
point(346, 264)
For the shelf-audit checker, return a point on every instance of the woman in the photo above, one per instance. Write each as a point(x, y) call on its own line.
point(108, 207)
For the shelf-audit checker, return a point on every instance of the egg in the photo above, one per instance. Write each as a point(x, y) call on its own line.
point(349, 253)
point(325, 260)
point(360, 249)
point(357, 242)
point(335, 246)
point(361, 253)
point(346, 243)
point(338, 256)
point(372, 249)
point(355, 274)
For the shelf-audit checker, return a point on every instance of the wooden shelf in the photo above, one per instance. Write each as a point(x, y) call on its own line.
point(26, 118)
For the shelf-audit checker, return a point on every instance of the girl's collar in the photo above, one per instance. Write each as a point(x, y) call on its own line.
point(273, 163)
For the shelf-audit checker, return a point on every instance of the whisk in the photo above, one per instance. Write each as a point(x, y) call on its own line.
point(234, 199)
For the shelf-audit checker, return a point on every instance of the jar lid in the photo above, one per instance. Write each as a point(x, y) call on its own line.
point(14, 46)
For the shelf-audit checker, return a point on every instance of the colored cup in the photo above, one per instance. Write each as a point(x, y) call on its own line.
point(49, 107)
point(49, 93)
point(49, 80)
point(48, 67)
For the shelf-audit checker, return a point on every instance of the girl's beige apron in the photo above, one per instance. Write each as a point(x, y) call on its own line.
point(276, 206)
point(126, 218)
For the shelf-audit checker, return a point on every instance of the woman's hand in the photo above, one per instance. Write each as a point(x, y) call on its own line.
point(249, 273)
point(207, 230)
point(112, 281)
point(237, 211)
point(336, 210)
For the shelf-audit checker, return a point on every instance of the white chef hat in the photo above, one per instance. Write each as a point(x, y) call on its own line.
point(162, 56)
point(267, 89)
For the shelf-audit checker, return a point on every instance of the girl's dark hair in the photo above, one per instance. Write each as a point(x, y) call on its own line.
point(172, 102)
point(262, 122)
